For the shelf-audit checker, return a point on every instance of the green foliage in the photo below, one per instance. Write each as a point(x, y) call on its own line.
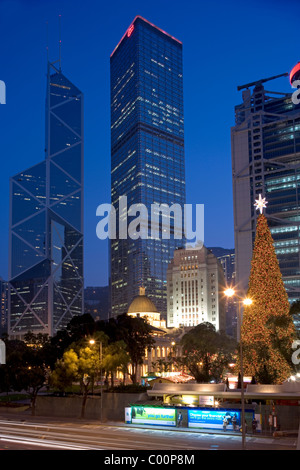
point(137, 335)
point(68, 357)
point(77, 364)
point(26, 366)
point(13, 397)
point(206, 353)
point(116, 358)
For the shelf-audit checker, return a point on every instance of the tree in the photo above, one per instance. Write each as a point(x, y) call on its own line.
point(81, 326)
point(27, 366)
point(206, 353)
point(267, 329)
point(116, 359)
point(65, 372)
point(15, 350)
point(162, 365)
point(137, 335)
point(77, 364)
point(31, 379)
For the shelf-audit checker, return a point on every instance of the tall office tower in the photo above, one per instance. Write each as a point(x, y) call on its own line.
point(195, 284)
point(147, 156)
point(46, 221)
point(96, 302)
point(226, 256)
point(266, 160)
point(227, 259)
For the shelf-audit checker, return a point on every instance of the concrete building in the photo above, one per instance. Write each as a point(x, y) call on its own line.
point(158, 359)
point(143, 307)
point(266, 162)
point(195, 288)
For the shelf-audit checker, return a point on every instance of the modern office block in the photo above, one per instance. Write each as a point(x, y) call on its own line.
point(195, 286)
point(226, 257)
point(96, 302)
point(46, 221)
point(147, 157)
point(266, 160)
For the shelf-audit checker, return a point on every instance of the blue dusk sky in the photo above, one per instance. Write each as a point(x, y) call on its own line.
point(225, 44)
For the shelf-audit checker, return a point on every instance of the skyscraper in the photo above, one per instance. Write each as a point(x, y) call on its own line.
point(195, 286)
point(46, 220)
point(147, 155)
point(266, 161)
point(226, 256)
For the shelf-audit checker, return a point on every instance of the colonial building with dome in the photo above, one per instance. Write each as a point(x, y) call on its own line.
point(157, 360)
point(142, 306)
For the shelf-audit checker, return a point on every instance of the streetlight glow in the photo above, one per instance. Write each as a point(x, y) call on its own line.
point(229, 292)
point(245, 301)
point(92, 341)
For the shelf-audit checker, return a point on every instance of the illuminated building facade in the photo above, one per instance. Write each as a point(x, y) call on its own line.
point(96, 302)
point(147, 155)
point(266, 160)
point(195, 286)
point(226, 257)
point(46, 221)
point(143, 307)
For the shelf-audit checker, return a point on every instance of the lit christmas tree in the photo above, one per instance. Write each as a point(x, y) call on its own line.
point(267, 329)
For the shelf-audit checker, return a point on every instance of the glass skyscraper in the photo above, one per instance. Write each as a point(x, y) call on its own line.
point(46, 221)
point(147, 155)
point(266, 161)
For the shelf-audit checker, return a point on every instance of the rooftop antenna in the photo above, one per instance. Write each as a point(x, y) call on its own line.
point(259, 82)
point(60, 43)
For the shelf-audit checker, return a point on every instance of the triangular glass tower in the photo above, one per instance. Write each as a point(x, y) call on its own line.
point(46, 221)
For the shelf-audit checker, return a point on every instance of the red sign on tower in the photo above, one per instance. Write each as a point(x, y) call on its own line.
point(130, 30)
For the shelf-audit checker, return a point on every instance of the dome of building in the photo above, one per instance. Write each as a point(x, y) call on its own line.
point(142, 304)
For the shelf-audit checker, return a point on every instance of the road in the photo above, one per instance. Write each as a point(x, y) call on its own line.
point(50, 434)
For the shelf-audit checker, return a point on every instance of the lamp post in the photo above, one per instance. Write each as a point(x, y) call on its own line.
point(246, 301)
point(92, 341)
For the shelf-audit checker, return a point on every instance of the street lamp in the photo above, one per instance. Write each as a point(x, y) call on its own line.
point(92, 342)
point(246, 301)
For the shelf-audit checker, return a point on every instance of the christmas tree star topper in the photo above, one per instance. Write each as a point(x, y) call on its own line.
point(260, 203)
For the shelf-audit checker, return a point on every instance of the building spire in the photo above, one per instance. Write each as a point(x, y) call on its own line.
point(142, 290)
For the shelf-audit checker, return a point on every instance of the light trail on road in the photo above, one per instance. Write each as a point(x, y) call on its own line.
point(84, 436)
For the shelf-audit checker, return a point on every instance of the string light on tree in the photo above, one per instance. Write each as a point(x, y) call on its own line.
point(260, 203)
point(267, 330)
